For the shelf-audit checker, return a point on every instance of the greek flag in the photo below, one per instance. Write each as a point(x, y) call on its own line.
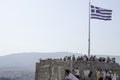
point(100, 13)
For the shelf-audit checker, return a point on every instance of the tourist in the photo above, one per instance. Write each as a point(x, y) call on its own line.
point(104, 74)
point(86, 74)
point(76, 73)
point(98, 74)
point(69, 75)
point(101, 76)
point(90, 75)
point(114, 77)
point(108, 77)
point(73, 57)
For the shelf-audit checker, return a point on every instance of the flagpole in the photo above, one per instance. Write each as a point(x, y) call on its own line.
point(89, 30)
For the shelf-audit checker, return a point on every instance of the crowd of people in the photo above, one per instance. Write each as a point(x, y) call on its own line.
point(99, 75)
point(106, 75)
point(85, 58)
point(92, 58)
point(75, 74)
point(70, 76)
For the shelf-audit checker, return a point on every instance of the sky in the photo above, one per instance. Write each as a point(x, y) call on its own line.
point(57, 26)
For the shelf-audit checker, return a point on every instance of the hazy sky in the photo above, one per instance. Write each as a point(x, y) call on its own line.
point(57, 26)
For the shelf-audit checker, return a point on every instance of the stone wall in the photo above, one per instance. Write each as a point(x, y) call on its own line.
point(54, 69)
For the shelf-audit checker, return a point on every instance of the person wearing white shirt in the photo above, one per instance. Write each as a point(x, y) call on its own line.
point(104, 74)
point(69, 76)
point(114, 76)
point(76, 72)
point(86, 74)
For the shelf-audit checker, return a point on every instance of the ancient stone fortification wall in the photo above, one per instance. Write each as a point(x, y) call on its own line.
point(51, 70)
point(54, 69)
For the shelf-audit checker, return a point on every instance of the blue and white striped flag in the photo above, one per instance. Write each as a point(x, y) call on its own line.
point(100, 13)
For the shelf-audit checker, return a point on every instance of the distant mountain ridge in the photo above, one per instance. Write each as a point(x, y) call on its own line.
point(27, 61)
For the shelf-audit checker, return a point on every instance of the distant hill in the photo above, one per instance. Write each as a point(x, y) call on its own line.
point(27, 61)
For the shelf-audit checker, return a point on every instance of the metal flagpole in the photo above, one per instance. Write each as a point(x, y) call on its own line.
point(89, 30)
